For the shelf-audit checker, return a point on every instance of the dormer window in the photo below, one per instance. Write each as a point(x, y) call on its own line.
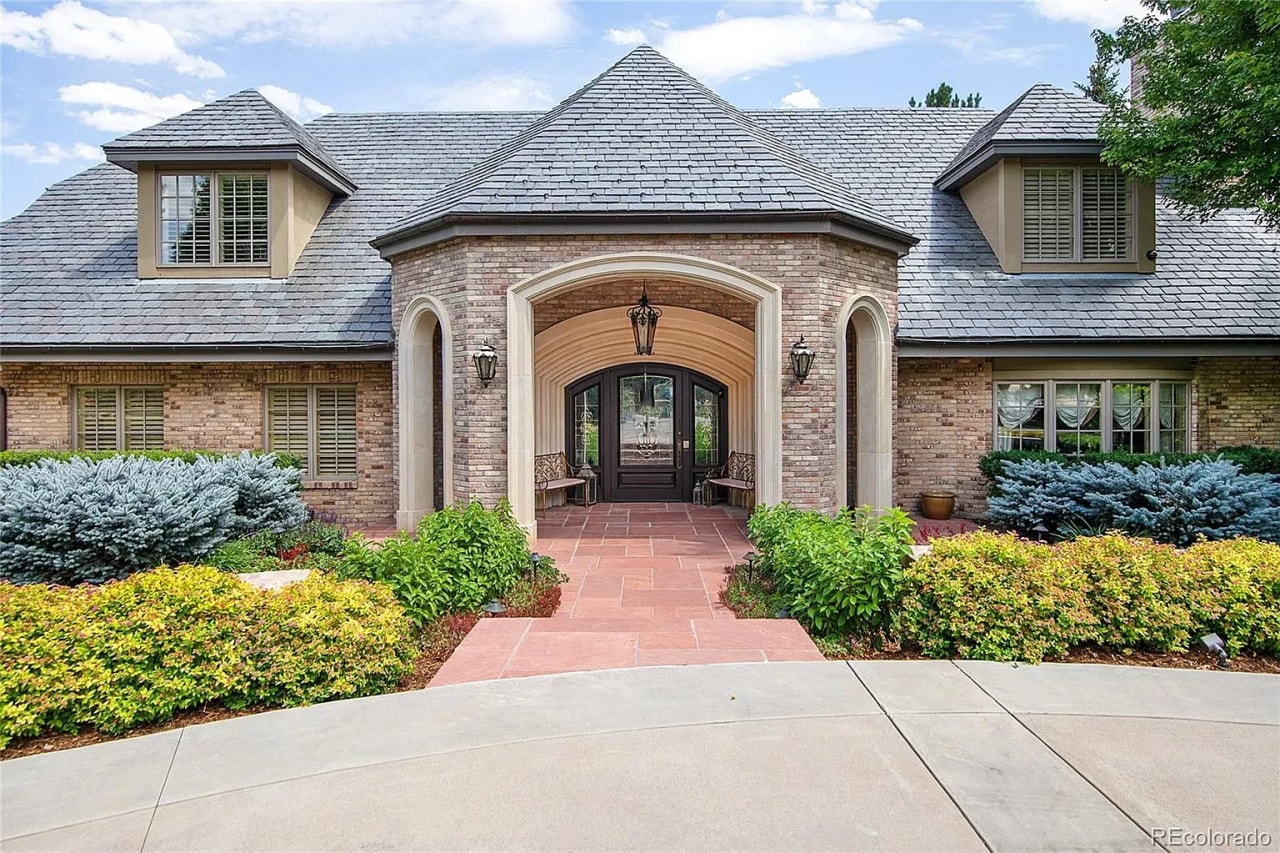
point(213, 218)
point(1076, 213)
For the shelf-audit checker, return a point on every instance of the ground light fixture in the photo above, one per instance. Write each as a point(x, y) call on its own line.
point(1213, 643)
point(535, 560)
point(493, 608)
point(485, 358)
point(750, 558)
point(784, 612)
point(644, 322)
point(802, 356)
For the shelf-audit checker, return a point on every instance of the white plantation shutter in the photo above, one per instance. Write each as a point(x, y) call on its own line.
point(1047, 215)
point(143, 418)
point(1106, 228)
point(335, 433)
point(97, 419)
point(288, 421)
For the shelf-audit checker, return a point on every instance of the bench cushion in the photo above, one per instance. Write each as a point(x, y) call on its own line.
point(731, 483)
point(552, 485)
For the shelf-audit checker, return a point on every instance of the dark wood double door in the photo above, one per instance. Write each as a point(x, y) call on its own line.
point(650, 431)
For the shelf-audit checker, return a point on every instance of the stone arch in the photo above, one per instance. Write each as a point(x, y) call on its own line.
point(521, 298)
point(873, 359)
point(424, 322)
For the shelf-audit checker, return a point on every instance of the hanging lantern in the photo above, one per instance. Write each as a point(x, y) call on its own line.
point(801, 359)
point(485, 358)
point(644, 323)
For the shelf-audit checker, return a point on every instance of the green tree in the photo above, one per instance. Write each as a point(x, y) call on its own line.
point(945, 96)
point(1210, 106)
point(1102, 82)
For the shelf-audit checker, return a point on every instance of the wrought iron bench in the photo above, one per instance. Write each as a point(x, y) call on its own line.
point(553, 473)
point(737, 474)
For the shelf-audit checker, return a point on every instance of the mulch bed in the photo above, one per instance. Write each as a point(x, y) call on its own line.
point(437, 642)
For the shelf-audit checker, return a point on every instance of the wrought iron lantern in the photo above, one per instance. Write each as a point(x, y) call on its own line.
point(485, 358)
point(644, 323)
point(802, 356)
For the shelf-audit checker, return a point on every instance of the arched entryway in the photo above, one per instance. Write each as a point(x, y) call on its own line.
point(864, 404)
point(522, 385)
point(425, 402)
point(650, 431)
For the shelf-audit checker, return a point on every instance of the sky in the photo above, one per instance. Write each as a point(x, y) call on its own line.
point(76, 74)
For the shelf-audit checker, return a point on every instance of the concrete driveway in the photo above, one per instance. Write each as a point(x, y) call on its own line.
point(812, 755)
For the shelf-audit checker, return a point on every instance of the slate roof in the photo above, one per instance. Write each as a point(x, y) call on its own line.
point(1043, 113)
point(68, 263)
point(643, 138)
point(245, 119)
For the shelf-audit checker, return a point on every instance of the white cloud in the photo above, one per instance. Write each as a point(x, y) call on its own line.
point(494, 23)
point(493, 92)
point(731, 46)
point(300, 107)
point(801, 99)
point(976, 44)
point(1100, 14)
point(121, 109)
point(627, 38)
point(70, 29)
point(51, 153)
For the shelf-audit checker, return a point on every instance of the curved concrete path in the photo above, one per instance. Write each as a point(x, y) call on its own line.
point(883, 755)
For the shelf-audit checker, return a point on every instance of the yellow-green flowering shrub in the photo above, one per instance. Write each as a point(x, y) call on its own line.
point(141, 649)
point(1233, 589)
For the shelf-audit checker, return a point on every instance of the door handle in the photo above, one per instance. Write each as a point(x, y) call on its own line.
point(679, 448)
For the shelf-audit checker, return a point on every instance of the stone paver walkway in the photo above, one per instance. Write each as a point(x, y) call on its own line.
point(643, 590)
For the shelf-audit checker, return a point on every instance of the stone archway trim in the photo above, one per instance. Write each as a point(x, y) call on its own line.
point(522, 297)
point(415, 354)
point(875, 402)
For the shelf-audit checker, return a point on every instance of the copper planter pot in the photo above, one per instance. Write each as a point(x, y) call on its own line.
point(937, 506)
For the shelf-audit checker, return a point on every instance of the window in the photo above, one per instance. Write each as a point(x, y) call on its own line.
point(1076, 213)
point(114, 417)
point(187, 220)
point(317, 423)
point(1076, 417)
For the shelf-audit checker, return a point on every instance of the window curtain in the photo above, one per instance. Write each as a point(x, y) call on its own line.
point(1168, 405)
point(1128, 403)
point(1076, 405)
point(1015, 405)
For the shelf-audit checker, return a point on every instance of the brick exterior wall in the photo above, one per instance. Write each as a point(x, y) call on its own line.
point(1237, 401)
point(941, 429)
point(470, 277)
point(218, 406)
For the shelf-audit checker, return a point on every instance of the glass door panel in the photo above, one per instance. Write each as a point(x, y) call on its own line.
point(706, 426)
point(586, 428)
point(646, 421)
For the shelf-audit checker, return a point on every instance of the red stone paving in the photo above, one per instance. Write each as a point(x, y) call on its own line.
point(643, 590)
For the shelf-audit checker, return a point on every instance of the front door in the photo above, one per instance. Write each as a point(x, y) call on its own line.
point(650, 431)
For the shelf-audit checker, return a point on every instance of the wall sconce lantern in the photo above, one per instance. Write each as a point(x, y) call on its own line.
point(802, 356)
point(486, 361)
point(644, 323)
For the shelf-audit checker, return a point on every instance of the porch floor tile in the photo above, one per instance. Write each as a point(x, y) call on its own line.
point(643, 590)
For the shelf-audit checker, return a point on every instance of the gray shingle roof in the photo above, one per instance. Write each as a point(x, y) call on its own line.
point(643, 138)
point(1043, 113)
point(68, 263)
point(245, 119)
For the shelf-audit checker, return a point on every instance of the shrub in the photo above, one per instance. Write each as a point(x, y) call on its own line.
point(84, 521)
point(144, 648)
point(993, 597)
point(837, 575)
point(460, 559)
point(1172, 503)
point(1233, 589)
point(749, 596)
point(29, 457)
point(313, 544)
point(1252, 460)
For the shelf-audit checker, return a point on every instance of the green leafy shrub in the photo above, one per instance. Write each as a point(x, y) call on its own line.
point(1177, 504)
point(459, 559)
point(90, 521)
point(837, 575)
point(1252, 460)
point(311, 545)
point(1232, 588)
point(142, 649)
point(993, 597)
point(29, 457)
point(767, 526)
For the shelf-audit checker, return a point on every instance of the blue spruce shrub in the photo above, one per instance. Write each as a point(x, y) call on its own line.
point(1177, 504)
point(78, 521)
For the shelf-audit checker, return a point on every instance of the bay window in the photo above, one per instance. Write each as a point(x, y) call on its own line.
point(1091, 416)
